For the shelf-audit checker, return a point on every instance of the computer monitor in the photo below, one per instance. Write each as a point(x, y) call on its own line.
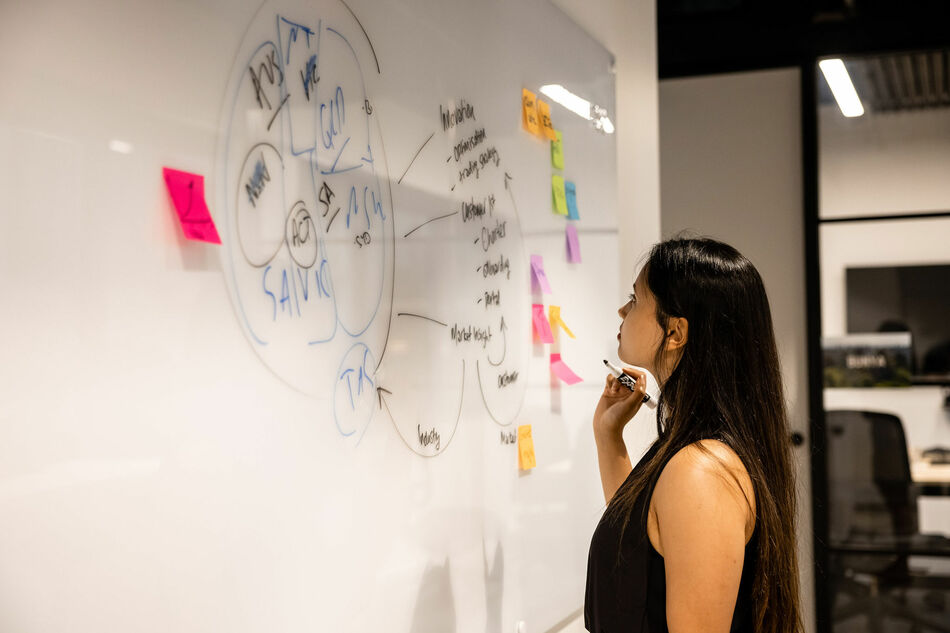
point(913, 299)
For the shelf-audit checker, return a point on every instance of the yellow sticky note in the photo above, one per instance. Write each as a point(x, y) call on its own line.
point(557, 151)
point(544, 115)
point(529, 111)
point(555, 320)
point(526, 459)
point(559, 196)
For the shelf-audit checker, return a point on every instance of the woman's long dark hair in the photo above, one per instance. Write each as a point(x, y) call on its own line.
point(727, 385)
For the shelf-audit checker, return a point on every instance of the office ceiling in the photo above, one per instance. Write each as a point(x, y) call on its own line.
point(898, 81)
point(699, 37)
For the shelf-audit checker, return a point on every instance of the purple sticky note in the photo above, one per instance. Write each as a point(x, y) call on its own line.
point(562, 371)
point(188, 195)
point(573, 245)
point(541, 326)
point(538, 278)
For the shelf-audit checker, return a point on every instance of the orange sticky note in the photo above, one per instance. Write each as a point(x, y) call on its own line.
point(544, 116)
point(555, 320)
point(188, 195)
point(526, 460)
point(529, 111)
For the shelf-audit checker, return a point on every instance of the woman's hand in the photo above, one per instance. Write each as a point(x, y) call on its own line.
point(618, 405)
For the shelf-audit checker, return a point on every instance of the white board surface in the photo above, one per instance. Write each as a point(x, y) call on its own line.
point(306, 427)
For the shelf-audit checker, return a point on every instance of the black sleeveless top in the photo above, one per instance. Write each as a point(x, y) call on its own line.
point(630, 596)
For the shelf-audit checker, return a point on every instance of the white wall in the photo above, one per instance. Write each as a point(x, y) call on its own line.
point(730, 168)
point(883, 163)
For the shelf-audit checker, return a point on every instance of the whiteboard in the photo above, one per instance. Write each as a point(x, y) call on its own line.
point(309, 426)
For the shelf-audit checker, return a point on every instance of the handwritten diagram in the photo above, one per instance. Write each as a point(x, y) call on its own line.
point(385, 294)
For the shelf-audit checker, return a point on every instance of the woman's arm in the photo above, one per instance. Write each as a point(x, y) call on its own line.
point(613, 461)
point(616, 407)
point(702, 519)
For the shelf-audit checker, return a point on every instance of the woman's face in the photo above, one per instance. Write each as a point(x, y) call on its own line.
point(640, 334)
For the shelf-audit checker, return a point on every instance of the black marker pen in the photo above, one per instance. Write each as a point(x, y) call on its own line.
point(629, 382)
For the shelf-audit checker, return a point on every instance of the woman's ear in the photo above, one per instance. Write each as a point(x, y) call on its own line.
point(677, 333)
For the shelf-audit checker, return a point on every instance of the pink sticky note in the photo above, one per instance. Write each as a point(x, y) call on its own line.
point(562, 371)
point(541, 326)
point(188, 194)
point(573, 246)
point(537, 274)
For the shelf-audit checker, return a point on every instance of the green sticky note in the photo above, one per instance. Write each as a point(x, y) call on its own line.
point(557, 151)
point(559, 197)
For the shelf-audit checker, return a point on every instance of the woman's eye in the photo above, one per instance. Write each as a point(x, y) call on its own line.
point(632, 299)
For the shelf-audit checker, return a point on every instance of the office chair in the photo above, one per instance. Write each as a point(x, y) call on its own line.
point(873, 525)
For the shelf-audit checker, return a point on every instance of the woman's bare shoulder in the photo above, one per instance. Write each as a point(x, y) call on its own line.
point(708, 465)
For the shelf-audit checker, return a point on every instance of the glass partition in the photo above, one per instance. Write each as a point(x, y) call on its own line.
point(884, 253)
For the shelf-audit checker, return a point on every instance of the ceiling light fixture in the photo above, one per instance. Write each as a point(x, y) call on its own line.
point(841, 87)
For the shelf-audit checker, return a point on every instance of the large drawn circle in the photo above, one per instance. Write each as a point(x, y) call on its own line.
point(309, 274)
point(259, 202)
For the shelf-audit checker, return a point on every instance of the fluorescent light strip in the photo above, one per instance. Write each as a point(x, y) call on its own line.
point(560, 94)
point(841, 87)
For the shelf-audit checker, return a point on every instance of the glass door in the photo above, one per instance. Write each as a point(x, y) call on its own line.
point(883, 247)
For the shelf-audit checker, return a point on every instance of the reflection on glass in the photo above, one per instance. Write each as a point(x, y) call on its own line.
point(885, 303)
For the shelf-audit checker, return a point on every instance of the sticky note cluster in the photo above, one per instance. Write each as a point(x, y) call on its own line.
point(526, 460)
point(536, 119)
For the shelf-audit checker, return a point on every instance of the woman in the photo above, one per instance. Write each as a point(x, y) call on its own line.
point(699, 536)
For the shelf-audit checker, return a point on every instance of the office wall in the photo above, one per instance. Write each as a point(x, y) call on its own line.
point(730, 168)
point(883, 163)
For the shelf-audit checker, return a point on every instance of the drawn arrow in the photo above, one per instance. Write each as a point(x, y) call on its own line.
point(504, 342)
point(379, 394)
point(441, 217)
point(414, 157)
